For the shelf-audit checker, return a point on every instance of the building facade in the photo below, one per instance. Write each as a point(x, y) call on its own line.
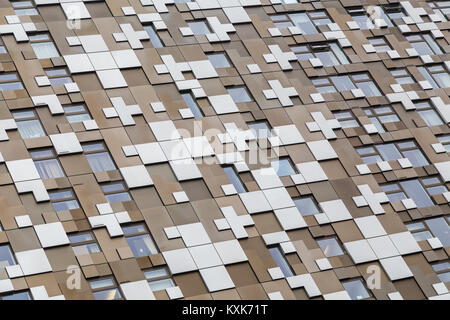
point(224, 149)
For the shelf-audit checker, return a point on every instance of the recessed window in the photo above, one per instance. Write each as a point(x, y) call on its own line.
point(440, 229)
point(47, 165)
point(219, 60)
point(24, 295)
point(428, 114)
point(436, 75)
point(283, 167)
point(306, 206)
point(99, 161)
point(346, 119)
point(45, 50)
point(154, 38)
point(28, 124)
point(63, 200)
point(105, 289)
point(261, 129)
point(359, 16)
point(393, 151)
point(424, 44)
point(356, 289)
point(413, 189)
point(192, 104)
point(281, 261)
point(84, 243)
point(330, 54)
point(306, 21)
point(239, 94)
point(234, 179)
point(6, 256)
point(116, 192)
point(347, 83)
point(330, 247)
point(139, 240)
point(199, 27)
point(445, 141)
point(10, 81)
point(159, 279)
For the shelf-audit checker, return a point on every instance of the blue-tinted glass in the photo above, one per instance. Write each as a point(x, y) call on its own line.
point(100, 162)
point(192, 105)
point(330, 247)
point(6, 256)
point(18, 296)
point(306, 206)
point(142, 245)
point(154, 38)
point(415, 191)
point(439, 227)
point(49, 169)
point(281, 261)
point(118, 197)
point(356, 290)
point(234, 179)
point(416, 158)
point(110, 294)
point(219, 60)
point(444, 277)
point(283, 167)
point(163, 284)
point(66, 205)
point(239, 95)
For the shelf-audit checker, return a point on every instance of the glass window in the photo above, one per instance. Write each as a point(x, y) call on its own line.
point(156, 273)
point(45, 50)
point(281, 261)
point(29, 129)
point(162, 284)
point(330, 247)
point(88, 248)
point(142, 245)
point(199, 28)
point(78, 118)
point(66, 205)
point(415, 191)
point(113, 187)
point(302, 21)
point(439, 227)
point(239, 94)
point(192, 105)
point(423, 235)
point(283, 167)
point(49, 169)
point(261, 130)
point(6, 256)
point(17, 296)
point(118, 197)
point(219, 60)
point(444, 277)
point(306, 206)
point(356, 289)
point(234, 179)
point(81, 237)
point(100, 162)
point(110, 294)
point(154, 38)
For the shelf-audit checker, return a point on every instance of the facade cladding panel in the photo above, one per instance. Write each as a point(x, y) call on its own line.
point(263, 149)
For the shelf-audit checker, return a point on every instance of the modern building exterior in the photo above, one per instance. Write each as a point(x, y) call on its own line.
point(224, 149)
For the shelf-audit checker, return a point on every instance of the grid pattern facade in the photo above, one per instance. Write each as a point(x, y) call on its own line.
point(224, 149)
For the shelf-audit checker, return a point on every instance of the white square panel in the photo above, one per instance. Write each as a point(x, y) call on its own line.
point(75, 10)
point(136, 176)
point(335, 210)
point(33, 261)
point(405, 242)
point(203, 69)
point(360, 251)
point(93, 43)
point(137, 290)
point(205, 256)
point(290, 218)
point(255, 202)
point(396, 268)
point(111, 79)
point(230, 251)
point(311, 171)
point(164, 130)
point(278, 198)
point(223, 104)
point(51, 234)
point(102, 60)
point(78, 63)
point(322, 150)
point(383, 247)
point(150, 153)
point(370, 226)
point(179, 261)
point(175, 149)
point(194, 234)
point(198, 146)
point(126, 59)
point(217, 278)
point(22, 170)
point(66, 143)
point(185, 169)
point(267, 178)
point(288, 134)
